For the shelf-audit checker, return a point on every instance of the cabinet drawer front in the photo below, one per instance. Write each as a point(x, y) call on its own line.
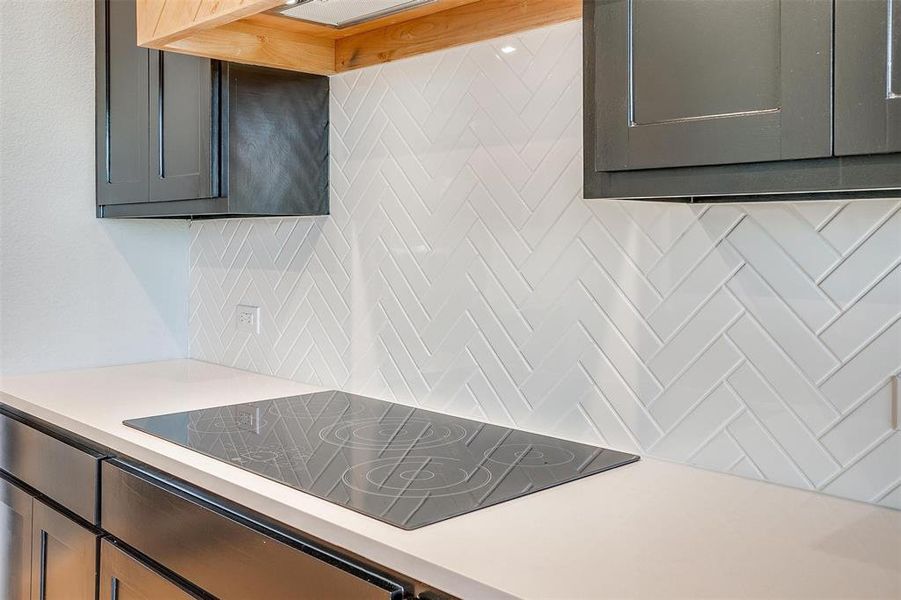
point(62, 472)
point(219, 554)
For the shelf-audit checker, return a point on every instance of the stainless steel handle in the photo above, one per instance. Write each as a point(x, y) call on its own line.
point(42, 576)
point(160, 130)
point(114, 589)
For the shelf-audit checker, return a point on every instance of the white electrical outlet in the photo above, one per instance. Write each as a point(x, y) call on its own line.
point(247, 418)
point(247, 318)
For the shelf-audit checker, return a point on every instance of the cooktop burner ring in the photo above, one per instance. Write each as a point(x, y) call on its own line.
point(220, 424)
point(401, 434)
point(530, 455)
point(259, 455)
point(416, 477)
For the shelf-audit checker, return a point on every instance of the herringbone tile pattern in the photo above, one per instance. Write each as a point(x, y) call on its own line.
point(461, 270)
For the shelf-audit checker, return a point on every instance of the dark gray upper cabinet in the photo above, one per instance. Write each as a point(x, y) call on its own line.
point(707, 82)
point(703, 100)
point(123, 134)
point(868, 65)
point(154, 117)
point(181, 136)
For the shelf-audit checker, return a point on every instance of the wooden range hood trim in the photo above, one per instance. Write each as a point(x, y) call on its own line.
point(162, 21)
point(249, 43)
point(454, 27)
point(215, 31)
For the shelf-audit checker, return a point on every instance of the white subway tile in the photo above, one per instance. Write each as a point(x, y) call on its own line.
point(460, 269)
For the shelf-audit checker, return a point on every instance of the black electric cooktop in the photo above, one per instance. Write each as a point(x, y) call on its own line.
point(406, 466)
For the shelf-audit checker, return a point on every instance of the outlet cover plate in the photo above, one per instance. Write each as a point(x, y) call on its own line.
point(247, 418)
point(247, 318)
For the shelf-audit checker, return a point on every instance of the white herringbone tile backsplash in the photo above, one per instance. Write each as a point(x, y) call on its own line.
point(461, 270)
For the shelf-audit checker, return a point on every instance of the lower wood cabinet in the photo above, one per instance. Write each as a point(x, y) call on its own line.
point(44, 555)
point(15, 542)
point(218, 553)
point(123, 577)
point(63, 557)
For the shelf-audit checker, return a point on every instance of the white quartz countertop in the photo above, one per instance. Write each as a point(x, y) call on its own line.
point(651, 529)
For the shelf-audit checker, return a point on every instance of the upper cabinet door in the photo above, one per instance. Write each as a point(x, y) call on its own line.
point(122, 94)
point(181, 103)
point(709, 82)
point(867, 76)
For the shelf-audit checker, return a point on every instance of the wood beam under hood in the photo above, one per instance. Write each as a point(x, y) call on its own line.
point(241, 31)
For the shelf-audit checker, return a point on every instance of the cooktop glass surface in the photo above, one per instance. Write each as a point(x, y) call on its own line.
point(406, 466)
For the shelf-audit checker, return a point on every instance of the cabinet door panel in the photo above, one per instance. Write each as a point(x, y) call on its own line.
point(180, 124)
point(122, 98)
point(675, 76)
point(15, 542)
point(867, 76)
point(64, 557)
point(704, 82)
point(125, 578)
